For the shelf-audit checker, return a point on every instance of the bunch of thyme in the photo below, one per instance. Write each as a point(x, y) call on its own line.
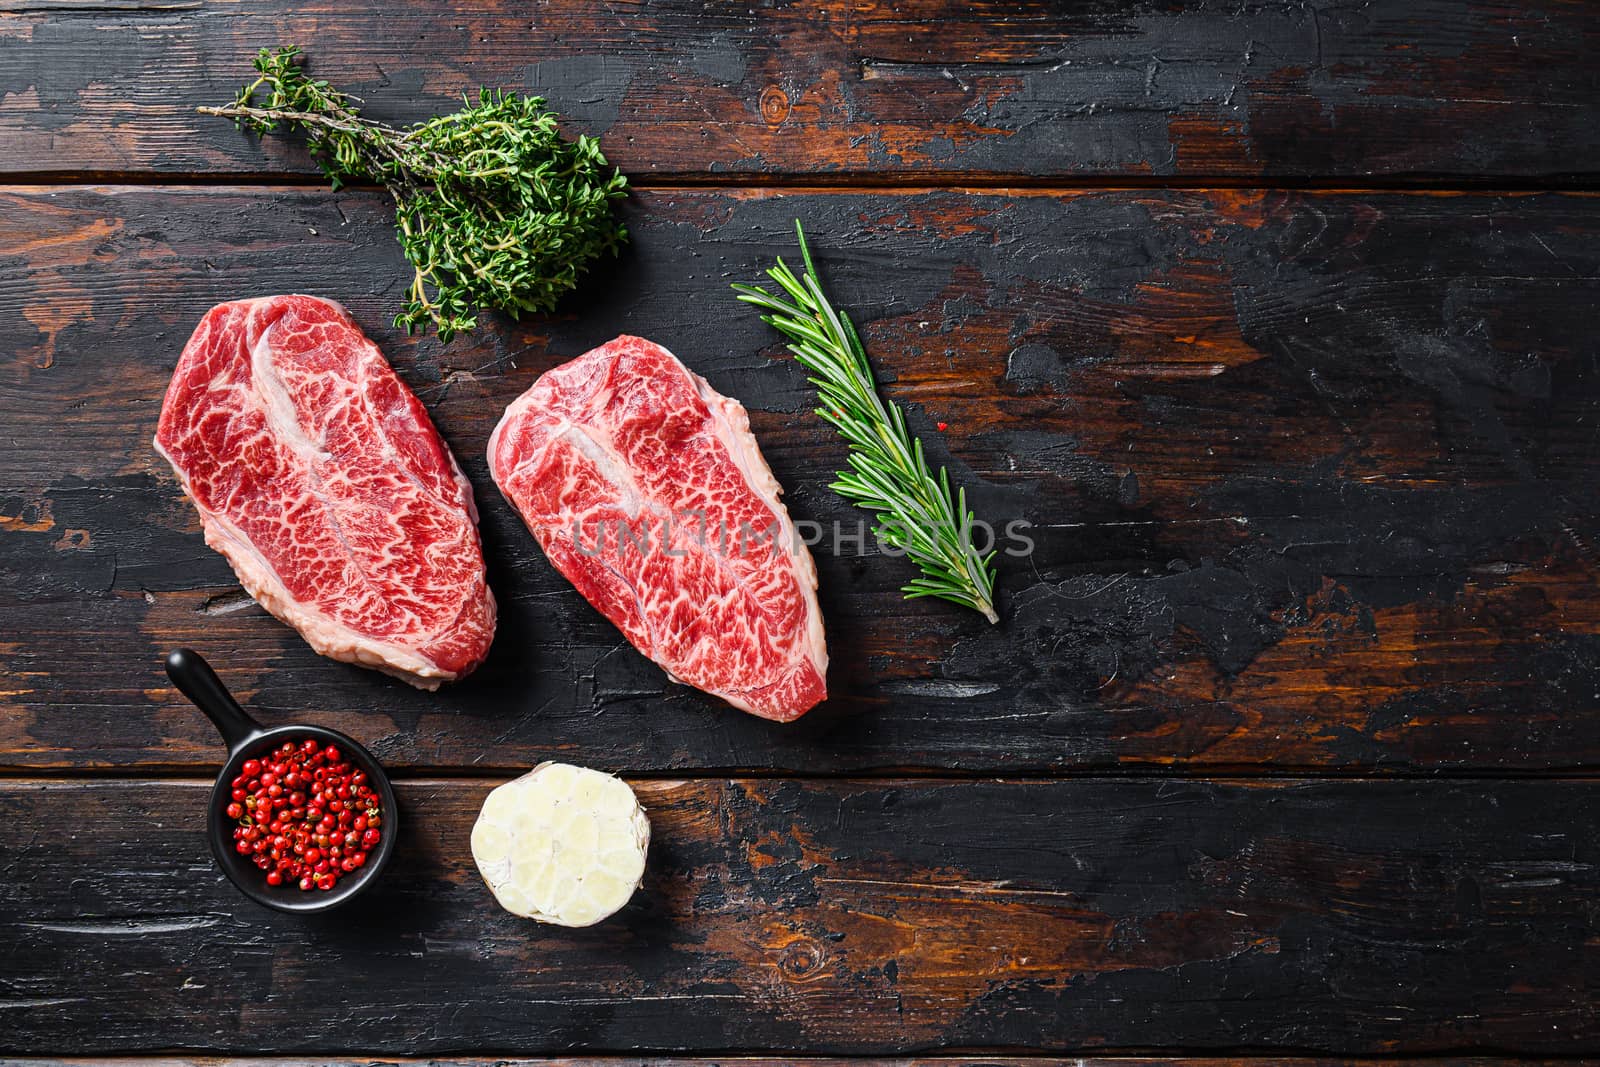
point(493, 208)
point(888, 474)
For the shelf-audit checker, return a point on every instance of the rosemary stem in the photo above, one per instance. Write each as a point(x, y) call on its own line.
point(888, 473)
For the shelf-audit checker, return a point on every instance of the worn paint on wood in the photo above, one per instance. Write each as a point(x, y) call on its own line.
point(1349, 88)
point(1355, 917)
point(1311, 479)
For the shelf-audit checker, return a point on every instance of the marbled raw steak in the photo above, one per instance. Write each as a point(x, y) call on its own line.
point(321, 478)
point(646, 489)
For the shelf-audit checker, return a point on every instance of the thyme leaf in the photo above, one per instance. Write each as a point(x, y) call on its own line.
point(493, 207)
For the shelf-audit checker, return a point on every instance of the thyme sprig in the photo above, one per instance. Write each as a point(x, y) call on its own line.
point(493, 208)
point(888, 474)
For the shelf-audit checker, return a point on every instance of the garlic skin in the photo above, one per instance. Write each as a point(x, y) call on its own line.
point(562, 844)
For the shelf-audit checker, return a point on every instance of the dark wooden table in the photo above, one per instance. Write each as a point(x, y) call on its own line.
point(1279, 324)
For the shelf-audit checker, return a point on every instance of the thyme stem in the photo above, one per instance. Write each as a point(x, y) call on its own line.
point(493, 207)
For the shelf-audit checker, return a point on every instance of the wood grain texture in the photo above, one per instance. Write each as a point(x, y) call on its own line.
point(1346, 88)
point(1311, 479)
point(1351, 917)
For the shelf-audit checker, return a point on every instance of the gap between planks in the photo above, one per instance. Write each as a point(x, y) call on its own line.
point(423, 777)
point(1447, 185)
point(959, 1057)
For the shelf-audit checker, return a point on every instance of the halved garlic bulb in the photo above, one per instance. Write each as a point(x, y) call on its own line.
point(562, 844)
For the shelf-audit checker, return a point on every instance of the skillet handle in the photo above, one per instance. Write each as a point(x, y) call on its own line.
point(196, 680)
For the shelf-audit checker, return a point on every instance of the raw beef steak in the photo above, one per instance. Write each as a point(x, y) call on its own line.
point(646, 489)
point(319, 476)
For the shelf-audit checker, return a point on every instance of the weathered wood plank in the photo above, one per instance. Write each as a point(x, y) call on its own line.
point(1345, 88)
point(1344, 917)
point(1312, 481)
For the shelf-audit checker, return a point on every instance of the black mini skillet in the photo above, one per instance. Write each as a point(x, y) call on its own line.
point(248, 739)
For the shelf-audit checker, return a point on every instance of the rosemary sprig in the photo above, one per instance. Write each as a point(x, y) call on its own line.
point(888, 474)
point(493, 208)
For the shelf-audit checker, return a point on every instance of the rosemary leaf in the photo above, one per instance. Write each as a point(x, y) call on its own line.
point(888, 474)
